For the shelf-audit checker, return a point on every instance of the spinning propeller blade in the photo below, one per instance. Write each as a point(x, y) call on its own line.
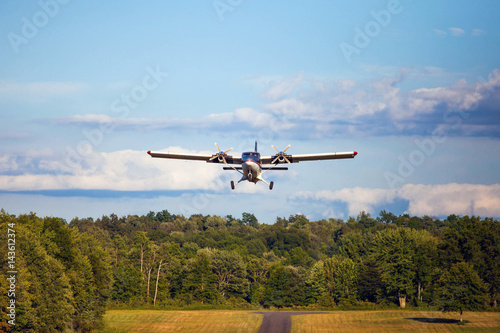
point(221, 155)
point(281, 156)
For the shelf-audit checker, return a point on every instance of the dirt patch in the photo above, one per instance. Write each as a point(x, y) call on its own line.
point(279, 322)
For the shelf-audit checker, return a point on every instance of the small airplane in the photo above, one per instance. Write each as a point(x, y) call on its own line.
point(251, 164)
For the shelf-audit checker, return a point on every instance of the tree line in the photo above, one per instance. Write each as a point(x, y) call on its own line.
point(69, 273)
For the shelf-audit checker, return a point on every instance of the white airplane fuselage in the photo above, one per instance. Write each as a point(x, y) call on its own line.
point(251, 168)
point(251, 171)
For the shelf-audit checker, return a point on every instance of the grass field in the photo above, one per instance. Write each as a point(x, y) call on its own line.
point(396, 321)
point(340, 321)
point(181, 321)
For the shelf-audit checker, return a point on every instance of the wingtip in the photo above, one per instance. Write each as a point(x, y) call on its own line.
point(355, 153)
point(149, 152)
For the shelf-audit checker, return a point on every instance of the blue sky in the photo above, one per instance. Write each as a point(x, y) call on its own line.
point(88, 87)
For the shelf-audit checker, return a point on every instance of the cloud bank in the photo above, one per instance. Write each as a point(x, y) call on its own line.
point(432, 200)
point(306, 108)
point(125, 170)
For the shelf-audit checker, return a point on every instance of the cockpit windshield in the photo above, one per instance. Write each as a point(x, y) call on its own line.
point(251, 156)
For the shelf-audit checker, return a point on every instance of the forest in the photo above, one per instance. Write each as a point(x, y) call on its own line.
point(63, 276)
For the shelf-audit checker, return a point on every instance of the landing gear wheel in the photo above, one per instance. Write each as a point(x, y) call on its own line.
point(271, 185)
point(232, 185)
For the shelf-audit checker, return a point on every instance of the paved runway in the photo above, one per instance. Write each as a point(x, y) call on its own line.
point(279, 322)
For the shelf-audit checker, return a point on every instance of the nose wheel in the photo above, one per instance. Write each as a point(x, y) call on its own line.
point(271, 184)
point(232, 185)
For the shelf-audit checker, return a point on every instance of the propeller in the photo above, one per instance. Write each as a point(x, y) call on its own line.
point(221, 155)
point(281, 156)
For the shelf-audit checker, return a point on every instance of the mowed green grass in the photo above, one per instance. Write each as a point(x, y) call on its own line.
point(339, 321)
point(182, 321)
point(396, 321)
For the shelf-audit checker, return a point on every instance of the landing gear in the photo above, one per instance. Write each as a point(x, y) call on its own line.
point(271, 184)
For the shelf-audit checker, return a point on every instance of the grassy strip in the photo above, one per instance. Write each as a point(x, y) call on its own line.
point(181, 321)
point(396, 321)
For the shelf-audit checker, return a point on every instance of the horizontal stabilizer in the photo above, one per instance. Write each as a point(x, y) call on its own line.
point(275, 168)
point(264, 168)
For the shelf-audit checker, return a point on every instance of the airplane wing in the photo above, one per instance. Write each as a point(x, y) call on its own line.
point(196, 157)
point(306, 157)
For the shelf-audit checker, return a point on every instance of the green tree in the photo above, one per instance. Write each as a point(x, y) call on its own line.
point(285, 287)
point(119, 248)
point(394, 251)
point(450, 250)
point(256, 247)
point(86, 267)
point(366, 220)
point(231, 272)
point(258, 269)
point(317, 291)
point(478, 243)
point(299, 257)
point(425, 263)
point(354, 245)
point(142, 246)
point(298, 221)
point(386, 217)
point(199, 284)
point(127, 283)
point(100, 263)
point(48, 301)
point(370, 285)
point(169, 263)
point(462, 289)
point(340, 278)
point(164, 216)
point(249, 219)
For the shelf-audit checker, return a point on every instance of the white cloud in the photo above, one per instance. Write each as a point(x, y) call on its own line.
point(292, 108)
point(478, 32)
point(456, 32)
point(44, 89)
point(440, 32)
point(358, 199)
point(125, 170)
point(382, 99)
point(283, 88)
point(28, 162)
point(250, 118)
point(432, 200)
point(322, 109)
point(463, 199)
point(8, 163)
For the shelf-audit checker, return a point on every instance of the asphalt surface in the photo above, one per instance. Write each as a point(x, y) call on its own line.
point(279, 322)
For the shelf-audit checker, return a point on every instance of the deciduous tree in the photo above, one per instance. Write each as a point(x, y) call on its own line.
point(462, 289)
